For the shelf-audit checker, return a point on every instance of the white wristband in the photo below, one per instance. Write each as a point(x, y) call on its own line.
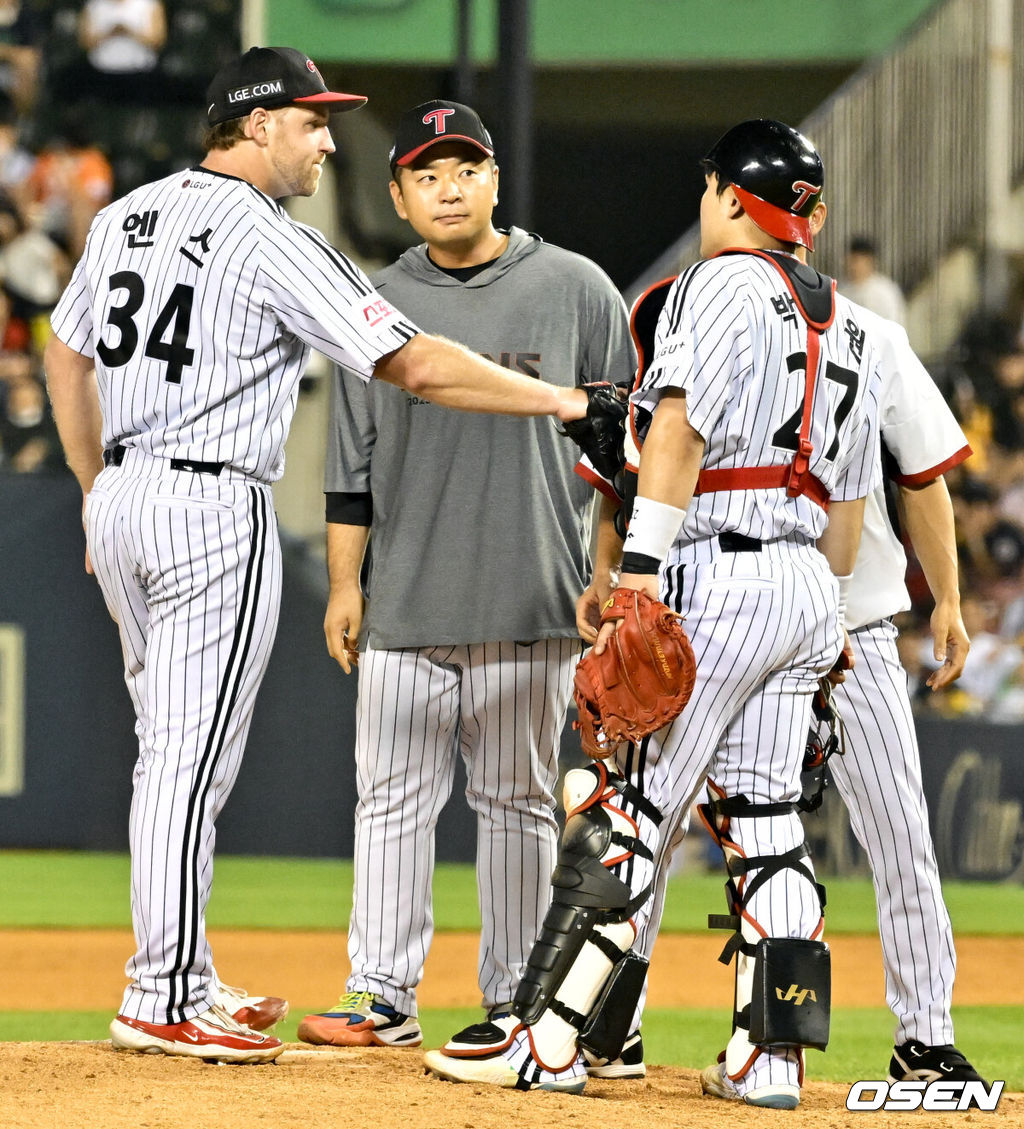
point(844, 592)
point(653, 527)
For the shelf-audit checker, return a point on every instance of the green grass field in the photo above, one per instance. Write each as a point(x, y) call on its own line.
point(70, 889)
point(87, 890)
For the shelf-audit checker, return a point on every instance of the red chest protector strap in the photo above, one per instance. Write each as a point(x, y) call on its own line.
point(794, 476)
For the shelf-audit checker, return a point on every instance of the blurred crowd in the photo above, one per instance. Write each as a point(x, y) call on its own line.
point(96, 96)
point(982, 379)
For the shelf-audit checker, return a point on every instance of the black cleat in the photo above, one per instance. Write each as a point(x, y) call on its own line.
point(917, 1062)
point(630, 1064)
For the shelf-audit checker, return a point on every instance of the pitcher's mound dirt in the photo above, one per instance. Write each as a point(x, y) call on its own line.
point(90, 1086)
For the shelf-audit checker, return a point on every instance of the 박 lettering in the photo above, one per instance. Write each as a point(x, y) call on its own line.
point(785, 306)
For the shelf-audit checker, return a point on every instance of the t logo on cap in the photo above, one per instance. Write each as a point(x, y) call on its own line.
point(432, 123)
point(436, 117)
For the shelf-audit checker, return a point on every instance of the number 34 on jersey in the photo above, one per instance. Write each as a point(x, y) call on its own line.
point(167, 339)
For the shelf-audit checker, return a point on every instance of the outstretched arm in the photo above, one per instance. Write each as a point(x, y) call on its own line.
point(454, 377)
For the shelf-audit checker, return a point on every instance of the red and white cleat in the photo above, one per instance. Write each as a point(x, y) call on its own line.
point(258, 1012)
point(214, 1036)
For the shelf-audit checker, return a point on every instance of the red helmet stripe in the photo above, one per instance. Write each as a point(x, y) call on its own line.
point(775, 220)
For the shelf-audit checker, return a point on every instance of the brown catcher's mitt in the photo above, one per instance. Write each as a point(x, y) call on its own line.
point(641, 681)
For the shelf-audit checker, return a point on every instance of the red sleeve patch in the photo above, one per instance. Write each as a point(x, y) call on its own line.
point(376, 312)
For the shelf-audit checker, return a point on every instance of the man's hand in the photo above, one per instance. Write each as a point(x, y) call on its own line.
point(645, 583)
point(951, 644)
point(572, 404)
point(588, 612)
point(590, 603)
point(845, 662)
point(342, 621)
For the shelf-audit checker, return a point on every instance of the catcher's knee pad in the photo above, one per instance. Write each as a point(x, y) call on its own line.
point(769, 1010)
point(588, 928)
point(791, 993)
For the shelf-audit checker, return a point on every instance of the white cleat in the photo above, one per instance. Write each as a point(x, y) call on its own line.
point(715, 1082)
point(509, 1063)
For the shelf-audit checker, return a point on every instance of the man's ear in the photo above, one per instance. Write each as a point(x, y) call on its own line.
point(396, 199)
point(256, 125)
point(731, 203)
point(817, 219)
point(496, 172)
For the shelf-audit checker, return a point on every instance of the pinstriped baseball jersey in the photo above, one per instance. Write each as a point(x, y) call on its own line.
point(198, 300)
point(731, 338)
point(761, 612)
point(222, 388)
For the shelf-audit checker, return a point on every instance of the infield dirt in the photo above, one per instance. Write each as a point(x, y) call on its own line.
point(82, 969)
point(89, 1086)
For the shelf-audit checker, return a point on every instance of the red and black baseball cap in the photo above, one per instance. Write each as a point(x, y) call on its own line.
point(434, 122)
point(271, 77)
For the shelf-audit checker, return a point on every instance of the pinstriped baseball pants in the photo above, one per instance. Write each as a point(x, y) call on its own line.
point(502, 706)
point(190, 568)
point(880, 782)
point(764, 628)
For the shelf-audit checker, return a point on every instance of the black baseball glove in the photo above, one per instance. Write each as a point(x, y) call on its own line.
point(601, 434)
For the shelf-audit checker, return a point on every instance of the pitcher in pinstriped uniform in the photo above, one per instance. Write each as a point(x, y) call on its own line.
point(196, 303)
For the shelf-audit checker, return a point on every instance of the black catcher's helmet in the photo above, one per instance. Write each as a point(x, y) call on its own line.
point(776, 173)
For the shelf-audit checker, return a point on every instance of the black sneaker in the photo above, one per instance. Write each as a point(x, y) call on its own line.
point(917, 1062)
point(485, 1034)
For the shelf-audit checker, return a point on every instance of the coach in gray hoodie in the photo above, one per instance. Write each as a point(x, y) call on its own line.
point(480, 534)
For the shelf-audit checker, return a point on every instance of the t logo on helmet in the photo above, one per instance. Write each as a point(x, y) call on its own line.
point(804, 192)
point(436, 117)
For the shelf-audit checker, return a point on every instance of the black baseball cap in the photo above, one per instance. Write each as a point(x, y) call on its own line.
point(271, 77)
point(434, 122)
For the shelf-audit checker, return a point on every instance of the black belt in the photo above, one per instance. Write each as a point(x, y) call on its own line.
point(114, 456)
point(731, 542)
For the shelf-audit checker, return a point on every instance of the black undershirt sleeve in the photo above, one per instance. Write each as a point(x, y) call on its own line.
point(348, 509)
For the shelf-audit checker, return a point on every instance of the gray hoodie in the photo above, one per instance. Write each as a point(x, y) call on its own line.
point(480, 527)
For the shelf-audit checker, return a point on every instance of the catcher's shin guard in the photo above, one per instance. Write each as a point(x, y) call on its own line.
point(783, 984)
point(588, 928)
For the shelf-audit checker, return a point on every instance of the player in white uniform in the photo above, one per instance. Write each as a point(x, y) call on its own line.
point(461, 653)
point(879, 778)
point(758, 411)
point(196, 302)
